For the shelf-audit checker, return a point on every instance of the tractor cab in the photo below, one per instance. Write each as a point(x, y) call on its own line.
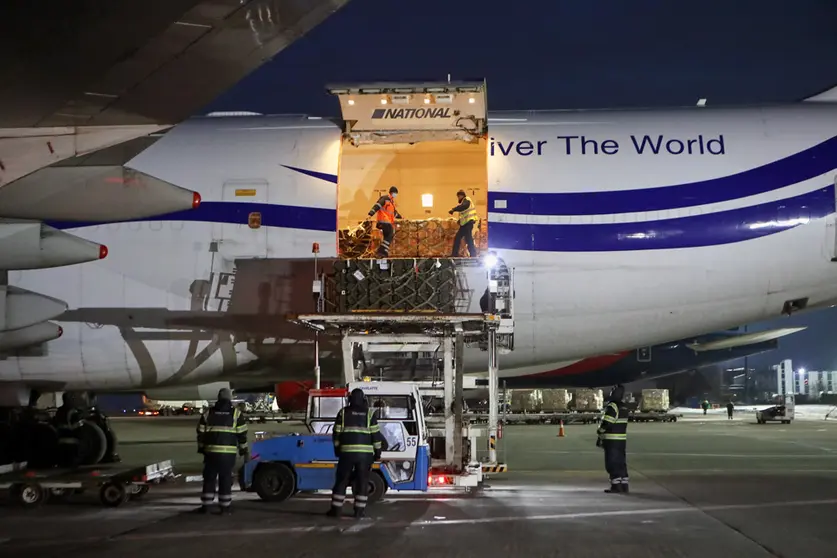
point(405, 454)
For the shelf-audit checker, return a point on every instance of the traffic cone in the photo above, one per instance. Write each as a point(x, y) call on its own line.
point(561, 429)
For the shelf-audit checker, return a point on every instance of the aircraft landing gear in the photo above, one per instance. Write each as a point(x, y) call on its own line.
point(78, 434)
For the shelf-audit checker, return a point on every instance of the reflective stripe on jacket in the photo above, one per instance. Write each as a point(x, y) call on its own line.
point(356, 430)
point(222, 429)
point(384, 210)
point(469, 214)
point(614, 425)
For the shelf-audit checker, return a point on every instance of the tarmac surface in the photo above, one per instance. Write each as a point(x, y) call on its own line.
point(703, 486)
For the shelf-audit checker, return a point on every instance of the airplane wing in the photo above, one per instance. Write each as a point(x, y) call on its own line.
point(734, 341)
point(136, 62)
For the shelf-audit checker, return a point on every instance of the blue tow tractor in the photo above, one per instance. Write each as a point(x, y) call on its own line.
point(282, 466)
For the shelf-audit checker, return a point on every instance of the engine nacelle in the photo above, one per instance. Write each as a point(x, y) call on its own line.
point(28, 336)
point(203, 392)
point(20, 308)
point(26, 245)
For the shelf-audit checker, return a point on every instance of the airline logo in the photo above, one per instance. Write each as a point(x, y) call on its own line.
point(406, 113)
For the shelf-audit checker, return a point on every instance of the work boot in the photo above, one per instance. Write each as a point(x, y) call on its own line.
point(226, 510)
point(203, 510)
point(333, 512)
point(624, 488)
point(614, 489)
point(360, 513)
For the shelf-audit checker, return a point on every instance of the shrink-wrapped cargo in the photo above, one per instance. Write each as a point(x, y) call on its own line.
point(525, 401)
point(654, 400)
point(588, 400)
point(555, 400)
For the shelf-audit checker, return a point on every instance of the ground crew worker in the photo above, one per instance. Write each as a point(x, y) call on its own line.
point(613, 437)
point(705, 405)
point(385, 214)
point(467, 217)
point(730, 409)
point(222, 432)
point(357, 444)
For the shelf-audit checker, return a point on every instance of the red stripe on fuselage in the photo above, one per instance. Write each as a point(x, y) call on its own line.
point(591, 364)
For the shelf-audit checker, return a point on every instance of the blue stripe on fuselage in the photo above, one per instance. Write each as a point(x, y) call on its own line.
point(710, 229)
point(272, 215)
point(805, 165)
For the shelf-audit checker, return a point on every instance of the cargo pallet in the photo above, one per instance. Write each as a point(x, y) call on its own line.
point(540, 418)
point(31, 488)
point(653, 416)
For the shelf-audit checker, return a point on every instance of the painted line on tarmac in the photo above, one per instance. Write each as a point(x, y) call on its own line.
point(677, 454)
point(186, 535)
point(358, 527)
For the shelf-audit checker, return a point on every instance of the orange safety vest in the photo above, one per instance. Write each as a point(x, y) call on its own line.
point(387, 213)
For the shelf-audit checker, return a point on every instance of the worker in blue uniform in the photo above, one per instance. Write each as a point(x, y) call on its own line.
point(357, 444)
point(613, 437)
point(222, 432)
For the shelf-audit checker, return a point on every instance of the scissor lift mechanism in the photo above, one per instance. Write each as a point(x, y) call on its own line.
point(409, 333)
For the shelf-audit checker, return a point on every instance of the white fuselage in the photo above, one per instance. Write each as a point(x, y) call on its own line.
point(612, 248)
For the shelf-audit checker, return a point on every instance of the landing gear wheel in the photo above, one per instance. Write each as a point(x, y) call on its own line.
point(92, 443)
point(274, 482)
point(61, 494)
point(377, 487)
point(40, 443)
point(113, 494)
point(29, 495)
point(138, 491)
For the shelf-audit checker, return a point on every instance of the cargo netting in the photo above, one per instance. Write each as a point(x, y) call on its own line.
point(424, 238)
point(420, 285)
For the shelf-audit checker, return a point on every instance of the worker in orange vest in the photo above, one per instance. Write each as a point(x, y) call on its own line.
point(385, 214)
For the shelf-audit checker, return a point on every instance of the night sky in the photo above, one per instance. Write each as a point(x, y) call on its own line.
point(549, 54)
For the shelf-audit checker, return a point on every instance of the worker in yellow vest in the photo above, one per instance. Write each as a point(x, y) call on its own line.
point(467, 217)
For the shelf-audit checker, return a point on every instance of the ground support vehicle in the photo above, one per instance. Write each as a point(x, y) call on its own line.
point(115, 484)
point(283, 465)
point(783, 411)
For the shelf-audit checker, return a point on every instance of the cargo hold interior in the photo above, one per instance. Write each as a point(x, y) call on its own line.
point(429, 146)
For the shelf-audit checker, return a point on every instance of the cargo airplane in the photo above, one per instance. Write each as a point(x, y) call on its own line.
point(624, 229)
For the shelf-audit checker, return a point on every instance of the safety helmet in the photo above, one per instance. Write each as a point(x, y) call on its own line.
point(357, 398)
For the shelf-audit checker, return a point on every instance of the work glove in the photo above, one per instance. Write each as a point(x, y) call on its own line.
point(450, 212)
point(200, 451)
point(242, 451)
point(599, 442)
point(377, 456)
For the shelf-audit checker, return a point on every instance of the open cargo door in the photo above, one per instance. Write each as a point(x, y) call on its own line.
point(427, 140)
